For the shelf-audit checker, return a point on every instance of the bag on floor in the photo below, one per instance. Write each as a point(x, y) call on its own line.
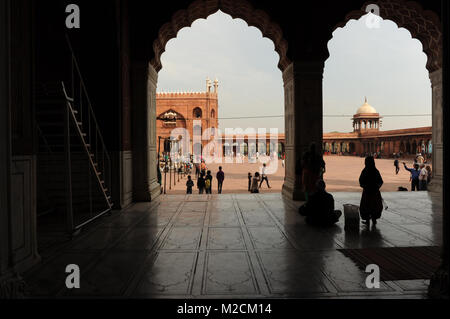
point(352, 219)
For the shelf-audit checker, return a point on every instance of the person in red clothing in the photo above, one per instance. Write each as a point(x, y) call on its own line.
point(220, 178)
point(203, 167)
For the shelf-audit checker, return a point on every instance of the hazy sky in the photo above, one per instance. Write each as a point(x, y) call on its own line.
point(384, 64)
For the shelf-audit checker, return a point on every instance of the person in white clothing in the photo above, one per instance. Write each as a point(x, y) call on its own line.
point(264, 177)
point(423, 178)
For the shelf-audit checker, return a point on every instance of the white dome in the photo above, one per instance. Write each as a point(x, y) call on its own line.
point(366, 108)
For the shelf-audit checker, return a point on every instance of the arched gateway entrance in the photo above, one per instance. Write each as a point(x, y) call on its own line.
point(119, 48)
point(302, 66)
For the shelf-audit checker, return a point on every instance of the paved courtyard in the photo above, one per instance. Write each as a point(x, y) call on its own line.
point(240, 246)
point(342, 176)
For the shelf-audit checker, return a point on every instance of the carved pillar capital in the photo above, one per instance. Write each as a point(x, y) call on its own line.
point(436, 78)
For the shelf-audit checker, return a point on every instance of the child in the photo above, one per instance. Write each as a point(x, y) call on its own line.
point(208, 182)
point(189, 185)
point(249, 181)
point(255, 183)
point(201, 183)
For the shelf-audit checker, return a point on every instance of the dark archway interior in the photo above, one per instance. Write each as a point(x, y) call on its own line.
point(118, 49)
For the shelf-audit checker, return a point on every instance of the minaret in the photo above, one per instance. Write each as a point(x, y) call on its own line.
point(208, 85)
point(216, 85)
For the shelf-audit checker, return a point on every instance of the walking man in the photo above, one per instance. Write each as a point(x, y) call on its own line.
point(414, 176)
point(197, 170)
point(264, 177)
point(220, 178)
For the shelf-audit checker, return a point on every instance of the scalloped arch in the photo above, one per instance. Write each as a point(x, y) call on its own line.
point(424, 25)
point(201, 9)
point(171, 110)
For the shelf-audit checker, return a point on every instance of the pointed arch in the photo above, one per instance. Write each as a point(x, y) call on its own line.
point(201, 9)
point(424, 25)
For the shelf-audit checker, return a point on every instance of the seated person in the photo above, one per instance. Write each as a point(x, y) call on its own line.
point(319, 210)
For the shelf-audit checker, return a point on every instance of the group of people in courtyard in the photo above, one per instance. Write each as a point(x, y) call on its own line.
point(319, 209)
point(255, 182)
point(205, 180)
point(421, 174)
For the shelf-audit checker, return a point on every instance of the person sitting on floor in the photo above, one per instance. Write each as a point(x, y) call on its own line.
point(319, 210)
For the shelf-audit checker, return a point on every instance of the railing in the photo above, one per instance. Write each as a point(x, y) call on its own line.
point(80, 113)
point(43, 138)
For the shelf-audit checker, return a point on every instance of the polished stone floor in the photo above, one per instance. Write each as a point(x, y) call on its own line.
point(233, 246)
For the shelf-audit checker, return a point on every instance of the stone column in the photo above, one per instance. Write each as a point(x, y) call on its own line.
point(439, 283)
point(436, 85)
point(145, 182)
point(125, 179)
point(303, 116)
point(5, 146)
point(18, 251)
point(155, 188)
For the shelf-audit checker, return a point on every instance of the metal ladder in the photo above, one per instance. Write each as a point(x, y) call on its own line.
point(79, 115)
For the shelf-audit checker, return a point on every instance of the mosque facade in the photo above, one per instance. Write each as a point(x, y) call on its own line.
point(368, 138)
point(194, 112)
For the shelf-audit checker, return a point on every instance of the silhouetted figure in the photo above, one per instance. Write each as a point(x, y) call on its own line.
point(371, 205)
point(201, 183)
point(208, 182)
point(430, 174)
point(255, 183)
point(312, 169)
point(158, 172)
point(220, 178)
point(189, 185)
point(415, 172)
point(197, 169)
point(397, 166)
point(319, 210)
point(203, 167)
point(249, 181)
point(264, 177)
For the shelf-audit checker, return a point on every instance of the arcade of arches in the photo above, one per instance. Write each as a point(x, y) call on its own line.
point(367, 138)
point(118, 49)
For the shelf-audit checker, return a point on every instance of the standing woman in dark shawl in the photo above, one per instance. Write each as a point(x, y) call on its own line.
point(371, 202)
